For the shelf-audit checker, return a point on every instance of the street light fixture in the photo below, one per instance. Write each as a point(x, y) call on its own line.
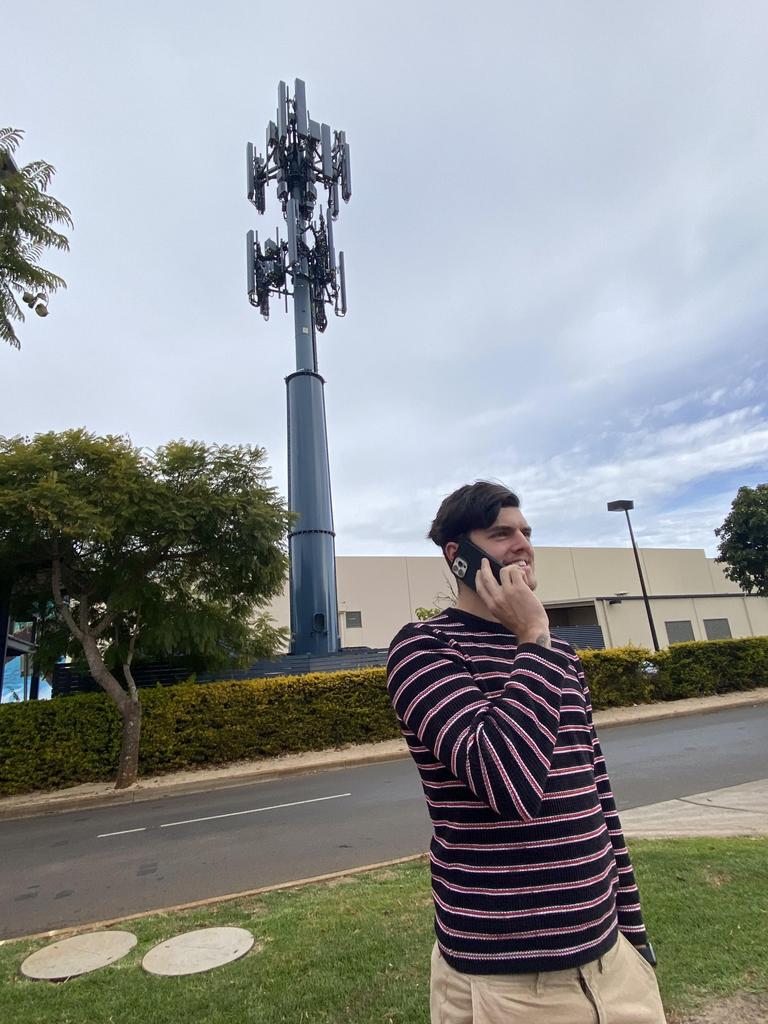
point(624, 506)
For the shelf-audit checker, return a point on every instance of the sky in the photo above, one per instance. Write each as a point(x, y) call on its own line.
point(556, 249)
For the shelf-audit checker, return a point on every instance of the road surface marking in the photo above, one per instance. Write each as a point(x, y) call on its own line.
point(231, 814)
point(255, 810)
point(125, 832)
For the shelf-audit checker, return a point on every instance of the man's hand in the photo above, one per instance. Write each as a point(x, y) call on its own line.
point(513, 603)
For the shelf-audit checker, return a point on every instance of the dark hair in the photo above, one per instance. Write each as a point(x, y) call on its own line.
point(472, 507)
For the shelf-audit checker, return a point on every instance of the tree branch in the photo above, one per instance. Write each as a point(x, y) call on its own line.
point(132, 641)
point(131, 682)
point(58, 600)
point(104, 623)
point(129, 658)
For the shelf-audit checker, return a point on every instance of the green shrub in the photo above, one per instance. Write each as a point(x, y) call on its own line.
point(217, 723)
point(50, 744)
point(618, 677)
point(62, 742)
point(704, 667)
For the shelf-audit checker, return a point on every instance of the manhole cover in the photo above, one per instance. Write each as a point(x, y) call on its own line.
point(77, 955)
point(198, 951)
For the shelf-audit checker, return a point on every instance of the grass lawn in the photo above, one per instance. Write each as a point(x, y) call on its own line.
point(356, 950)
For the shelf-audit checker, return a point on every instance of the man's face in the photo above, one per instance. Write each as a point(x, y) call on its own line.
point(508, 540)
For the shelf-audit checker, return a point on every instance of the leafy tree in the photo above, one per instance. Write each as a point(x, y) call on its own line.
point(122, 552)
point(422, 614)
point(743, 537)
point(27, 214)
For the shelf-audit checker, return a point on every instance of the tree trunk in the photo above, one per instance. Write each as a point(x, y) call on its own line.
point(129, 707)
point(128, 770)
point(128, 704)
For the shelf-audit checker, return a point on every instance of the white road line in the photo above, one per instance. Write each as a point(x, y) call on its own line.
point(256, 810)
point(105, 835)
point(232, 814)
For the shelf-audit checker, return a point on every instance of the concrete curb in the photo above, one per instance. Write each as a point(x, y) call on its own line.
point(679, 708)
point(102, 794)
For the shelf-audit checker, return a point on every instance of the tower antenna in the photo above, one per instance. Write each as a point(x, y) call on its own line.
point(302, 154)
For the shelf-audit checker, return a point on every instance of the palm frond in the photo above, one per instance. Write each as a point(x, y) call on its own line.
point(27, 216)
point(8, 303)
point(9, 309)
point(39, 173)
point(32, 250)
point(10, 138)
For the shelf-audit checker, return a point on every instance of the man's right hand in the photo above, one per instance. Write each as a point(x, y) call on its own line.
point(513, 603)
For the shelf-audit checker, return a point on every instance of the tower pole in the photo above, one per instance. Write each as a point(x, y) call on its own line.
point(312, 541)
point(300, 152)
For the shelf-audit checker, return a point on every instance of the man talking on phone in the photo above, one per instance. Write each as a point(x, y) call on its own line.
point(537, 914)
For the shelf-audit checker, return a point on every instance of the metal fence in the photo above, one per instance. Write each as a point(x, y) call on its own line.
point(66, 681)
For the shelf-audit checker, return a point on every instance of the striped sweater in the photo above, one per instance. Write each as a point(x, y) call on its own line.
point(529, 867)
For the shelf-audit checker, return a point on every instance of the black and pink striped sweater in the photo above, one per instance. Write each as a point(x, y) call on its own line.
point(529, 867)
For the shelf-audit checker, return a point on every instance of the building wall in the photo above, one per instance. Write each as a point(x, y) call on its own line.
point(756, 609)
point(720, 582)
point(627, 622)
point(387, 590)
point(379, 589)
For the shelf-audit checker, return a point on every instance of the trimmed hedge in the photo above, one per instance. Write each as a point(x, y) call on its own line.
point(703, 668)
point(62, 742)
point(50, 744)
point(617, 678)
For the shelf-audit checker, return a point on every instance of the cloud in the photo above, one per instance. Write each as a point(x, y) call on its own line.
point(556, 250)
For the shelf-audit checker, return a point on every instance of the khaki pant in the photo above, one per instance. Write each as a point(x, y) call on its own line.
point(619, 988)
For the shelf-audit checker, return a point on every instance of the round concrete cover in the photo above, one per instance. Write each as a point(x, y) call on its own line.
point(77, 955)
point(197, 951)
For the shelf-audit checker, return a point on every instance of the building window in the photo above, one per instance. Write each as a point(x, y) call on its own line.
point(353, 620)
point(717, 629)
point(679, 631)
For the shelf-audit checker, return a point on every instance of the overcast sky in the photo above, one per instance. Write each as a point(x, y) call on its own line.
point(557, 248)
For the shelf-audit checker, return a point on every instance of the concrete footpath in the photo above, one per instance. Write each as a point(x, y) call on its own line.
point(732, 811)
point(103, 794)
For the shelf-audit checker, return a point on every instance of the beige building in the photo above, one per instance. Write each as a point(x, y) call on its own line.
point(591, 588)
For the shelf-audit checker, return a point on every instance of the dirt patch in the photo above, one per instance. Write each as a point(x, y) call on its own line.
point(332, 883)
point(716, 879)
point(743, 1008)
point(256, 910)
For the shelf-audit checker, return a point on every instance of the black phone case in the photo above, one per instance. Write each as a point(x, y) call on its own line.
point(467, 561)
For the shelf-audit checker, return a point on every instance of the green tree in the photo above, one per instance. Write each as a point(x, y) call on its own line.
point(150, 553)
point(27, 214)
point(422, 614)
point(743, 549)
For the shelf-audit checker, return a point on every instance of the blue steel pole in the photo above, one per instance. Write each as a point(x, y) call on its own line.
point(314, 610)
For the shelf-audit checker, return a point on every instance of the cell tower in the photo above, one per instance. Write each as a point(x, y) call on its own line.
point(301, 153)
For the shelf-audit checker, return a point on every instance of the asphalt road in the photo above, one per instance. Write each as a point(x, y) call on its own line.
point(84, 866)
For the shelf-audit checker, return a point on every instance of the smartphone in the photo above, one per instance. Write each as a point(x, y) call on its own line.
point(467, 561)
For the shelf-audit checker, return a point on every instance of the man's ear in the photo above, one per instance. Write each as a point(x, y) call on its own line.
point(450, 550)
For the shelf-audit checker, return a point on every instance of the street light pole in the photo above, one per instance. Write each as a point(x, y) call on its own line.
point(624, 506)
